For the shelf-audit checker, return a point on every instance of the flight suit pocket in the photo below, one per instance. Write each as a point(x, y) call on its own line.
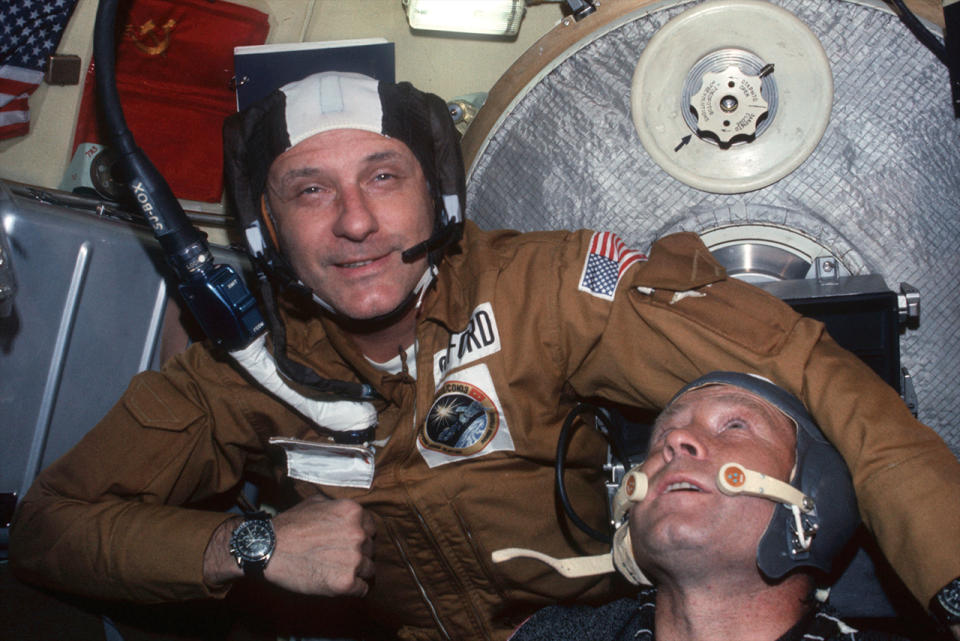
point(154, 402)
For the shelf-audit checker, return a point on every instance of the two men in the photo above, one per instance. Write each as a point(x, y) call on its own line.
point(470, 347)
point(727, 564)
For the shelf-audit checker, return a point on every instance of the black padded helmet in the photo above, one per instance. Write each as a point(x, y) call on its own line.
point(254, 137)
point(819, 473)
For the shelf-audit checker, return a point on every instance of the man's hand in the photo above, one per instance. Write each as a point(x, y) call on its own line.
point(324, 547)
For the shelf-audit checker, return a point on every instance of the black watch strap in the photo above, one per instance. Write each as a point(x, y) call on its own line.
point(252, 543)
point(945, 604)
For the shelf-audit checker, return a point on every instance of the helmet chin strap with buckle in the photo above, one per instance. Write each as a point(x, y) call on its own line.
point(733, 479)
point(633, 489)
point(620, 559)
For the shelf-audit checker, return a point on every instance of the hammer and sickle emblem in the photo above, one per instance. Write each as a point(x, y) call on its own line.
point(150, 39)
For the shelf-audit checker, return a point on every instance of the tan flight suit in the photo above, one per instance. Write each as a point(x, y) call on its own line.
point(516, 329)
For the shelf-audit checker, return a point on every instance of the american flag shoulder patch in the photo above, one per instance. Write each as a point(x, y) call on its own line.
point(30, 31)
point(607, 260)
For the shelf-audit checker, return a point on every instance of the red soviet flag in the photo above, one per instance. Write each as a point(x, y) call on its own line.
point(174, 69)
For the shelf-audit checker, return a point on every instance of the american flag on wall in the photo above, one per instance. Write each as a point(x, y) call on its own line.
point(30, 31)
point(605, 263)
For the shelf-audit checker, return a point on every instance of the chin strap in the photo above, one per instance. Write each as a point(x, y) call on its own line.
point(424, 283)
point(623, 560)
point(573, 567)
point(619, 559)
point(733, 479)
point(419, 291)
point(632, 489)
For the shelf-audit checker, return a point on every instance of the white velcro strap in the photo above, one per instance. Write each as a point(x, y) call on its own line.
point(571, 568)
point(451, 205)
point(339, 416)
point(255, 239)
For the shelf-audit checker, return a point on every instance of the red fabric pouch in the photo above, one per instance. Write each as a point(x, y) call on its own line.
point(174, 67)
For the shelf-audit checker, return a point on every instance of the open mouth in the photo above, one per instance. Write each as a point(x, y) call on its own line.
point(682, 486)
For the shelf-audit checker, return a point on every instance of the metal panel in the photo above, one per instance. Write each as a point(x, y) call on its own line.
point(881, 191)
point(87, 315)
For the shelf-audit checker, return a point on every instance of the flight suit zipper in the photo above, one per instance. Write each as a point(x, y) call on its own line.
point(450, 570)
point(403, 552)
point(418, 582)
point(433, 542)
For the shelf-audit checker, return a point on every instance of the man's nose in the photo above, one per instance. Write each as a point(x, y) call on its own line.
point(682, 441)
point(355, 219)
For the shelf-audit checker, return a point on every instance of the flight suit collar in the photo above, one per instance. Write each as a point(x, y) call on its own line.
point(448, 301)
point(317, 341)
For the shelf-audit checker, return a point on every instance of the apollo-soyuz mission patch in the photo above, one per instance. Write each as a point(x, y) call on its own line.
point(465, 420)
point(461, 420)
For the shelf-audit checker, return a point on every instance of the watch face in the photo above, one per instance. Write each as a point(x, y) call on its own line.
point(253, 540)
point(949, 598)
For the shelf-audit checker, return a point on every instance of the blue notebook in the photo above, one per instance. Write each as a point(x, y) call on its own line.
point(260, 69)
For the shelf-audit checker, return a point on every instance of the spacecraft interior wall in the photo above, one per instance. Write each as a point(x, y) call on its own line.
point(881, 189)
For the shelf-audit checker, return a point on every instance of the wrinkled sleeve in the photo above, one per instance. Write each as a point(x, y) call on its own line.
point(677, 316)
point(112, 518)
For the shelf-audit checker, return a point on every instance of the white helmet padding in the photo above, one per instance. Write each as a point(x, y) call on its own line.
point(327, 101)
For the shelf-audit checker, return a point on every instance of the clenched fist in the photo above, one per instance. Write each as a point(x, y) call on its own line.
point(324, 547)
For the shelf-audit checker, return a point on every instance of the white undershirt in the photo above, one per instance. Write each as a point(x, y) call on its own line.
point(395, 365)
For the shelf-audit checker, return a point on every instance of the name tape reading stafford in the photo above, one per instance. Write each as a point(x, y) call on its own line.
point(466, 418)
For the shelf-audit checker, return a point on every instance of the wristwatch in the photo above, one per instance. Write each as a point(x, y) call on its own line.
point(252, 543)
point(945, 605)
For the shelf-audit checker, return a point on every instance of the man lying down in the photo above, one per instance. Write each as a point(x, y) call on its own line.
point(739, 502)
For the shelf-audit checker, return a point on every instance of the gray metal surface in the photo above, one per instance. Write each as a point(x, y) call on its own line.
point(87, 315)
point(882, 189)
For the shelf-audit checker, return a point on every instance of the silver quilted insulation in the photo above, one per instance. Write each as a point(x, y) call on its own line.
point(882, 189)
